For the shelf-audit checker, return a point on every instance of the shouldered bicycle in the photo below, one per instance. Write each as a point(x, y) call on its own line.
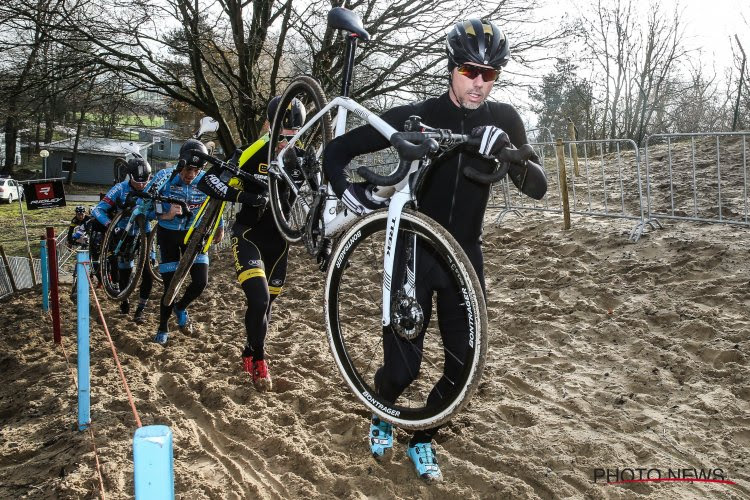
point(203, 228)
point(130, 245)
point(382, 261)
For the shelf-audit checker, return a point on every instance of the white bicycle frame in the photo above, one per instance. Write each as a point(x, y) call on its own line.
point(400, 195)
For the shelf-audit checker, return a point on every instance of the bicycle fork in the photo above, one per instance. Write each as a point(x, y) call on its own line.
point(401, 198)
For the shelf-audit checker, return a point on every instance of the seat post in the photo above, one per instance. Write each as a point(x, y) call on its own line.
point(351, 47)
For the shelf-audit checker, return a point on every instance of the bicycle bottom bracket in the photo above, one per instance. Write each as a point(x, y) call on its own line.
point(407, 316)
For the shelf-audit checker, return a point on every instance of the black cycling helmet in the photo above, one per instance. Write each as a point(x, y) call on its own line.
point(138, 169)
point(187, 158)
point(464, 46)
point(80, 209)
point(293, 118)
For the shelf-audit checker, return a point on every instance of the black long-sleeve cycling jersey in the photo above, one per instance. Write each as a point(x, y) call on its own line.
point(74, 223)
point(447, 196)
point(247, 193)
point(254, 160)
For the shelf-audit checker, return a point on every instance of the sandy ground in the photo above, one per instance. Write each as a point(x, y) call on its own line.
point(603, 354)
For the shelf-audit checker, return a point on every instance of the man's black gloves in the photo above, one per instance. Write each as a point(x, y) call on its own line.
point(489, 140)
point(253, 200)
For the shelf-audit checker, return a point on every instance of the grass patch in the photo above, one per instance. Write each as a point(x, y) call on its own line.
point(12, 237)
point(130, 120)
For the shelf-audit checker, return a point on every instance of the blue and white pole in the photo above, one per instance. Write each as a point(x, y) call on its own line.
point(153, 463)
point(84, 372)
point(45, 275)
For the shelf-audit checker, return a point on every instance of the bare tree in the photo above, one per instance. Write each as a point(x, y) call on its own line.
point(662, 49)
point(25, 29)
point(638, 59)
point(227, 58)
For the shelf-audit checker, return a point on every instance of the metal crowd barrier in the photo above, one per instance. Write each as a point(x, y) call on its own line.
point(603, 177)
point(19, 267)
point(699, 177)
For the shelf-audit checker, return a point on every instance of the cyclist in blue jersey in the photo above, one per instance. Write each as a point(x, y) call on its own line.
point(180, 182)
point(139, 173)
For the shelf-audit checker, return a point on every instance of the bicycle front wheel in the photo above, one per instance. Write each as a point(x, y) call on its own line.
point(305, 168)
point(122, 252)
point(432, 279)
point(194, 246)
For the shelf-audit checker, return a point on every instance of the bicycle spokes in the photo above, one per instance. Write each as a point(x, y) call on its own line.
point(430, 347)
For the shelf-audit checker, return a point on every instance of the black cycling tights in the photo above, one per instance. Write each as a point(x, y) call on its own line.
point(257, 316)
point(199, 280)
point(403, 358)
point(171, 245)
point(260, 259)
point(147, 282)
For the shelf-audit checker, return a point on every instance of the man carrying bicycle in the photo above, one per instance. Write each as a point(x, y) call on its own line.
point(138, 171)
point(180, 182)
point(260, 252)
point(477, 51)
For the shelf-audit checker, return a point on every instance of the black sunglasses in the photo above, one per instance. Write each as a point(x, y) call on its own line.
point(471, 72)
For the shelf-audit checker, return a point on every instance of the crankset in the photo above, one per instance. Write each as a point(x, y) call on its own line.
point(314, 235)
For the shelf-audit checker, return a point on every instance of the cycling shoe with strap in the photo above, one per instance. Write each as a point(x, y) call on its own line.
point(381, 437)
point(161, 338)
point(425, 461)
point(183, 319)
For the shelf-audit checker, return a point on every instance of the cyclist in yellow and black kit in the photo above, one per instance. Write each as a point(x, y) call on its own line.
point(260, 252)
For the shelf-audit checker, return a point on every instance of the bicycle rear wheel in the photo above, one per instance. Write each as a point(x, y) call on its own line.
point(131, 255)
point(290, 212)
point(429, 259)
point(194, 246)
point(153, 257)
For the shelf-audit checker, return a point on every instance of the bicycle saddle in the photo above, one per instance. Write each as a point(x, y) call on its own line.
point(345, 19)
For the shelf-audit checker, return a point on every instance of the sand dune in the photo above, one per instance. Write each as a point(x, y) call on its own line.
point(603, 354)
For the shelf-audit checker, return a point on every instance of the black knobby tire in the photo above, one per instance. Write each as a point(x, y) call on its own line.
point(135, 250)
point(194, 246)
point(353, 297)
point(152, 258)
point(291, 218)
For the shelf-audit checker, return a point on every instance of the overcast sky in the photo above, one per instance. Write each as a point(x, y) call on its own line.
point(708, 27)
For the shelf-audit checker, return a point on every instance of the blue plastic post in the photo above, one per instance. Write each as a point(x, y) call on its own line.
point(45, 276)
point(153, 463)
point(84, 374)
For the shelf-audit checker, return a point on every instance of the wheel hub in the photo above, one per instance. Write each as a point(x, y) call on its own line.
point(407, 317)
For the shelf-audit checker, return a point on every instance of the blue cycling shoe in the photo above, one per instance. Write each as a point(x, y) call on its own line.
point(423, 456)
point(183, 320)
point(381, 437)
point(161, 338)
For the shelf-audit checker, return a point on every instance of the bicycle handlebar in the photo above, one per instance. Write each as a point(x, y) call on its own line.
point(411, 146)
point(157, 197)
point(420, 141)
point(507, 156)
point(231, 167)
